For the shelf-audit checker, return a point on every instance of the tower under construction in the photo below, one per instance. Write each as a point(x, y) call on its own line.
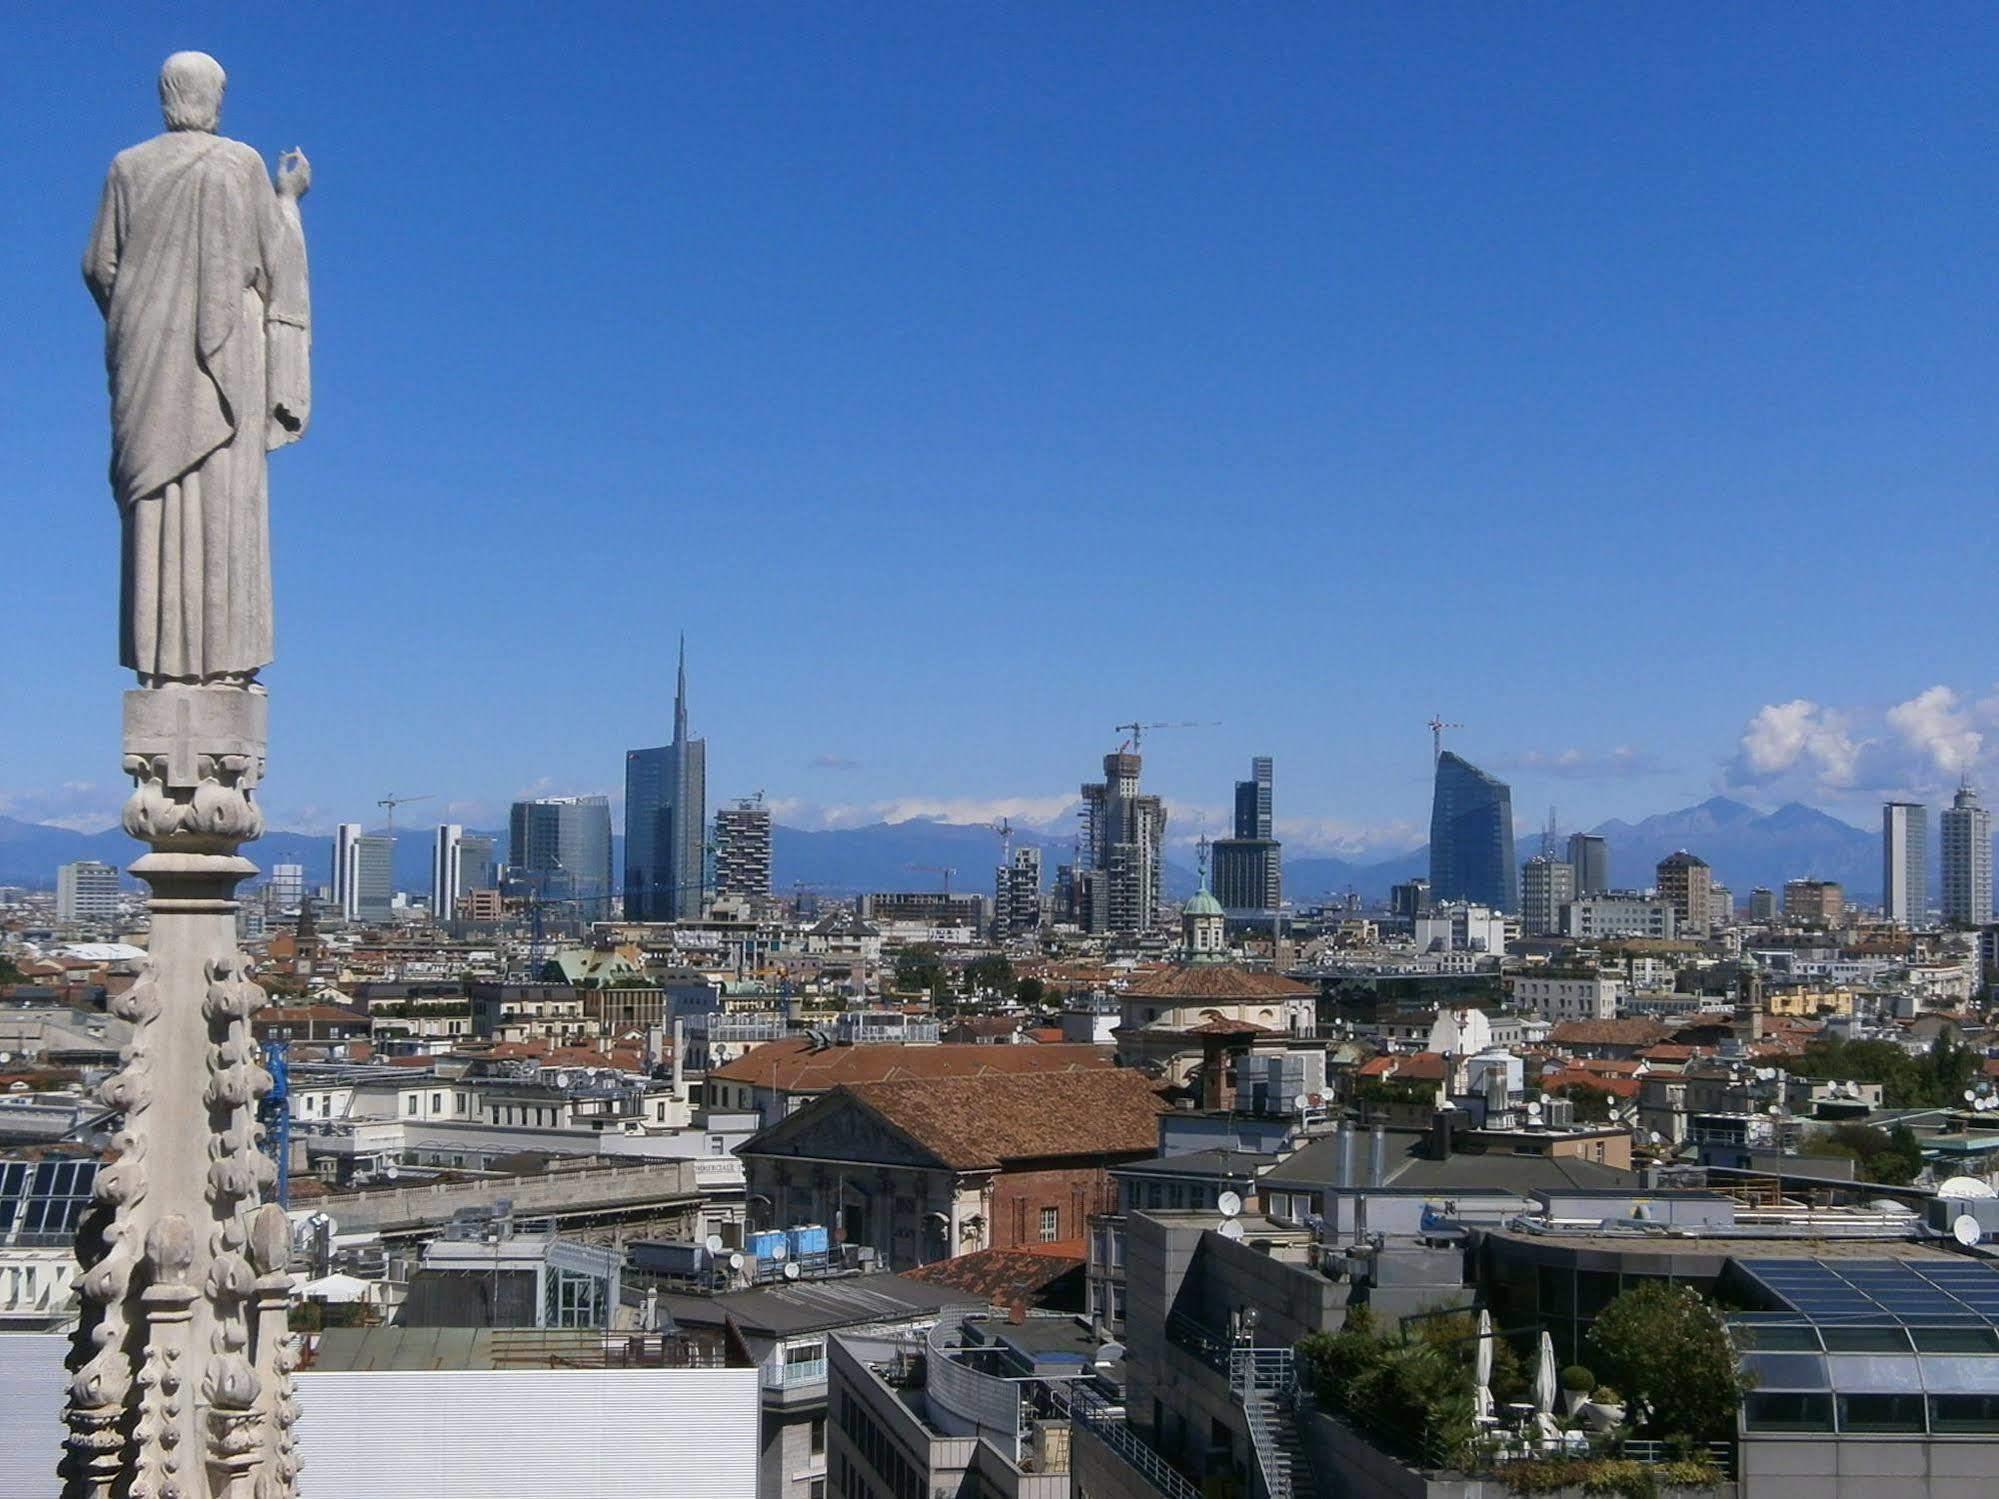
point(1120, 867)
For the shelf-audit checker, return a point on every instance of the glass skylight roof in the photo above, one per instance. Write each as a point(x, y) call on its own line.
point(1879, 1290)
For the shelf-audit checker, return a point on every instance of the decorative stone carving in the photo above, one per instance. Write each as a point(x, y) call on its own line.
point(180, 1381)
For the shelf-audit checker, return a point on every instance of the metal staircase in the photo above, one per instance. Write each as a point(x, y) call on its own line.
point(1264, 1382)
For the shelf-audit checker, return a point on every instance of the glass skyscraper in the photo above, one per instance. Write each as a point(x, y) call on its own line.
point(666, 821)
point(1471, 837)
point(560, 846)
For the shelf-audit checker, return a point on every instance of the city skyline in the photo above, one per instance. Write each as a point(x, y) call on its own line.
point(1279, 303)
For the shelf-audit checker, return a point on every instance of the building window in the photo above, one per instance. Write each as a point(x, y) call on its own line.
point(437, 1103)
point(818, 1436)
point(1051, 1225)
point(409, 1104)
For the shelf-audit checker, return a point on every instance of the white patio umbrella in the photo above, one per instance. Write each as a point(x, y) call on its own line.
point(1482, 1369)
point(1546, 1380)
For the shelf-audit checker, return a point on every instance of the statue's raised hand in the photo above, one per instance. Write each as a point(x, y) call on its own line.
point(294, 174)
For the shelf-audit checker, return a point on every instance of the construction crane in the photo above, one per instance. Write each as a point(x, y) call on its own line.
point(1134, 732)
point(1004, 828)
point(392, 801)
point(1437, 726)
point(946, 870)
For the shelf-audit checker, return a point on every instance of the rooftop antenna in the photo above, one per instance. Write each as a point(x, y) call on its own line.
point(1548, 833)
point(1437, 727)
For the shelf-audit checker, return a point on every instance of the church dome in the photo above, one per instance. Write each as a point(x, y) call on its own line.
point(1202, 904)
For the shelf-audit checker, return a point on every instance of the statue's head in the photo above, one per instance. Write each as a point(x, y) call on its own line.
point(191, 91)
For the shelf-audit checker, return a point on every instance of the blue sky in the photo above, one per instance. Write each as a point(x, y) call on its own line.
point(966, 379)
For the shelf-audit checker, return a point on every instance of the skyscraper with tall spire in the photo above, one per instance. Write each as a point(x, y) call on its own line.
point(666, 817)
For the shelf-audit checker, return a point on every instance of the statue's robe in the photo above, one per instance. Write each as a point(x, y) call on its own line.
point(199, 268)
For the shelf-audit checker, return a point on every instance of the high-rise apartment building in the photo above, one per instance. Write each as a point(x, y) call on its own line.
point(1820, 902)
point(666, 821)
point(1967, 860)
point(1017, 892)
point(1122, 836)
point(86, 890)
point(1249, 868)
point(1762, 904)
point(742, 853)
point(1589, 857)
point(1471, 837)
point(1905, 871)
point(1409, 899)
point(560, 847)
point(1546, 885)
point(1686, 883)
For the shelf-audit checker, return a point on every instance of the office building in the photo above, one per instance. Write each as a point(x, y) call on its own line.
point(1249, 868)
point(286, 886)
point(1686, 884)
point(1599, 916)
point(1905, 850)
point(1017, 893)
point(1409, 899)
point(560, 848)
point(86, 891)
point(742, 853)
point(1762, 904)
point(1967, 860)
point(1253, 812)
point(460, 864)
point(1471, 837)
point(1546, 884)
point(1122, 836)
point(1820, 902)
point(364, 882)
point(1589, 856)
point(666, 821)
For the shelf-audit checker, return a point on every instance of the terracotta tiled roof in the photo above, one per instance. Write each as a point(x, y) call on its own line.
point(973, 1122)
point(1002, 1275)
point(1631, 1032)
point(1622, 1087)
point(797, 1065)
point(1420, 1066)
point(1221, 1025)
point(1215, 981)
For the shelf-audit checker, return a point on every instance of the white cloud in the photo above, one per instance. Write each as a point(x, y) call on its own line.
point(1917, 747)
point(1584, 765)
point(1932, 726)
point(1047, 814)
point(1800, 735)
point(79, 806)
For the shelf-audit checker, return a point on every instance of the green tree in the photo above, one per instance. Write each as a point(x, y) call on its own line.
point(920, 968)
point(1031, 992)
point(989, 974)
point(1666, 1349)
point(1889, 1156)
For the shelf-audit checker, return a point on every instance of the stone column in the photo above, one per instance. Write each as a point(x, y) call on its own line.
point(180, 1384)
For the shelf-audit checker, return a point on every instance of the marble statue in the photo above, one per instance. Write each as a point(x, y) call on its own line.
point(180, 1371)
point(197, 262)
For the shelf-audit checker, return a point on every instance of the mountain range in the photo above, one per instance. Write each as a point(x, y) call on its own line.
point(1745, 847)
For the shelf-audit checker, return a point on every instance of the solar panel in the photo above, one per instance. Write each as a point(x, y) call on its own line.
point(42, 1201)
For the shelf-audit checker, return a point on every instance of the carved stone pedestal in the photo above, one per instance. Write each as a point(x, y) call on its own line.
point(180, 1382)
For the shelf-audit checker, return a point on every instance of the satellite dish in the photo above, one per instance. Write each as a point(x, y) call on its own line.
point(1533, 1111)
point(1231, 1228)
point(1971, 1095)
point(1301, 1103)
point(791, 1271)
point(1110, 1353)
point(736, 1260)
point(1774, 1109)
point(6, 1057)
point(1964, 1228)
point(779, 1250)
point(391, 1172)
point(713, 1243)
point(1229, 1203)
point(1964, 1186)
